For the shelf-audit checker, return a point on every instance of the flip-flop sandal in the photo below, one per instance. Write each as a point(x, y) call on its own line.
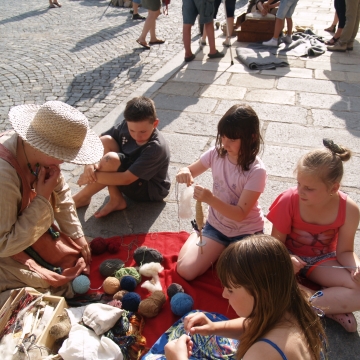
point(157, 42)
point(216, 55)
point(190, 58)
point(51, 6)
point(143, 45)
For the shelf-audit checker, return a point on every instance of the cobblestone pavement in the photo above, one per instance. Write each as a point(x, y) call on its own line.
point(83, 53)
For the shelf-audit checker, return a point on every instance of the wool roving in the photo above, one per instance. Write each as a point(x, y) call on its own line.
point(111, 285)
point(185, 208)
point(128, 283)
point(120, 294)
point(128, 271)
point(98, 246)
point(181, 304)
point(110, 266)
point(113, 246)
point(152, 305)
point(144, 255)
point(62, 328)
point(131, 301)
point(173, 289)
point(81, 284)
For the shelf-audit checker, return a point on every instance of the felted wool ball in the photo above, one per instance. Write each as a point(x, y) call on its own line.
point(173, 289)
point(111, 285)
point(115, 303)
point(128, 283)
point(110, 266)
point(81, 284)
point(181, 304)
point(98, 246)
point(128, 271)
point(62, 328)
point(113, 246)
point(119, 295)
point(144, 255)
point(131, 301)
point(151, 306)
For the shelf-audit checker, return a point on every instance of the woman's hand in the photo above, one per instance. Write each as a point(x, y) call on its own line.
point(298, 264)
point(184, 177)
point(85, 248)
point(47, 180)
point(202, 194)
point(88, 176)
point(198, 323)
point(179, 349)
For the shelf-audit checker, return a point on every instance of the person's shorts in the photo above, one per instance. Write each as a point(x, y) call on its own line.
point(153, 5)
point(192, 8)
point(230, 7)
point(213, 234)
point(137, 1)
point(286, 9)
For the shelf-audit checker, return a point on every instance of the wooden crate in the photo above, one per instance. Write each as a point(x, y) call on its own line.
point(9, 306)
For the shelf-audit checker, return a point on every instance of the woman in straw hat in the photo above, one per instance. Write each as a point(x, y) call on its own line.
point(33, 251)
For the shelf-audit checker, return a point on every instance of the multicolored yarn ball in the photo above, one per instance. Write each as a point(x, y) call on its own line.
point(173, 289)
point(152, 305)
point(128, 271)
point(98, 246)
point(131, 301)
point(128, 283)
point(120, 294)
point(115, 303)
point(110, 266)
point(144, 255)
point(81, 284)
point(111, 285)
point(181, 304)
point(113, 246)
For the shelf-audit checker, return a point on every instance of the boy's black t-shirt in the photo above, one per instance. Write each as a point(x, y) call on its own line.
point(149, 162)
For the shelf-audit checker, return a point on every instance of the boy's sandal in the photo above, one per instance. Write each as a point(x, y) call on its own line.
point(331, 28)
point(332, 41)
point(216, 55)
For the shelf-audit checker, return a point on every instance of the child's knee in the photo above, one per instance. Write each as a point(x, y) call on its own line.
point(185, 271)
point(109, 162)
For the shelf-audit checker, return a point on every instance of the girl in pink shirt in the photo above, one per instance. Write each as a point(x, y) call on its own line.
point(317, 222)
point(239, 178)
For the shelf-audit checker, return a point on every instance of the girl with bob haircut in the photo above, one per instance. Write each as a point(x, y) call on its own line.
point(317, 222)
point(239, 178)
point(275, 319)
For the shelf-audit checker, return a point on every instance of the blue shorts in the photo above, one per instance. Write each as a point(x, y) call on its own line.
point(137, 1)
point(192, 8)
point(286, 8)
point(213, 234)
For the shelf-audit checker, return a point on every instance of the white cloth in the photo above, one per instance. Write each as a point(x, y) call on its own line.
point(84, 344)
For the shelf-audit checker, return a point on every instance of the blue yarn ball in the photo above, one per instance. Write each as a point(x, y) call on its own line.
point(181, 304)
point(131, 301)
point(81, 284)
point(128, 283)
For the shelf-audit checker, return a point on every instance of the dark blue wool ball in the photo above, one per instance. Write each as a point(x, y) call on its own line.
point(128, 283)
point(181, 304)
point(131, 301)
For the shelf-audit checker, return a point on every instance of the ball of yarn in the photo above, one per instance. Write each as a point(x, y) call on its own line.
point(113, 246)
point(144, 255)
point(131, 301)
point(119, 295)
point(62, 328)
point(98, 246)
point(81, 284)
point(128, 283)
point(110, 266)
point(128, 271)
point(151, 306)
point(115, 303)
point(173, 289)
point(181, 304)
point(111, 285)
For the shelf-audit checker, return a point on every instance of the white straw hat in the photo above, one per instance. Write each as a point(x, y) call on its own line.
point(58, 130)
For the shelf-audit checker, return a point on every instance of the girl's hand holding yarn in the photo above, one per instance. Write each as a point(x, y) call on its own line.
point(179, 348)
point(202, 194)
point(198, 323)
point(184, 176)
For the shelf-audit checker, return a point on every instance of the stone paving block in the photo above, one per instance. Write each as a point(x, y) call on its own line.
point(271, 96)
point(331, 75)
point(202, 77)
point(307, 85)
point(252, 81)
point(207, 65)
point(290, 72)
point(330, 66)
point(223, 92)
point(184, 103)
point(333, 102)
point(336, 119)
point(179, 88)
point(349, 89)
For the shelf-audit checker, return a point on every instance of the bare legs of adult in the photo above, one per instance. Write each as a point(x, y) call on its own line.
point(230, 29)
point(332, 27)
point(149, 26)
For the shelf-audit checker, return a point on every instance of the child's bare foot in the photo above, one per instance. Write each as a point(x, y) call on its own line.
point(81, 200)
point(112, 205)
point(348, 321)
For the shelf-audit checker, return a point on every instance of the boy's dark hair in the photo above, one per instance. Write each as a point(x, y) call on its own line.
point(139, 109)
point(241, 122)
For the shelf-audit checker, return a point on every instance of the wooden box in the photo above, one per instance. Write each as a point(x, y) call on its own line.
point(9, 307)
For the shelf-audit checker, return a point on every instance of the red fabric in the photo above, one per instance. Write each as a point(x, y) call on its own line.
point(206, 290)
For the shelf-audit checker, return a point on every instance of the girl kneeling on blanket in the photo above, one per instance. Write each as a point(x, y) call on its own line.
point(239, 178)
point(317, 222)
point(275, 319)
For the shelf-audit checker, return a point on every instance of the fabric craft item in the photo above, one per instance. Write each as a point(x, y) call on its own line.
point(85, 344)
point(101, 317)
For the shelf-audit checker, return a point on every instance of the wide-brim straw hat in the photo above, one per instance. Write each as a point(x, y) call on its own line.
point(58, 130)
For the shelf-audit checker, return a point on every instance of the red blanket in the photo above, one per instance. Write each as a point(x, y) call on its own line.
point(206, 290)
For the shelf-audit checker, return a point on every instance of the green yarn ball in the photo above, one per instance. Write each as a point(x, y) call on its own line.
point(131, 271)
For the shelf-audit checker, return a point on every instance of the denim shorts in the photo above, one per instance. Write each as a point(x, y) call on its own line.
point(153, 5)
point(137, 1)
point(286, 9)
point(213, 234)
point(192, 8)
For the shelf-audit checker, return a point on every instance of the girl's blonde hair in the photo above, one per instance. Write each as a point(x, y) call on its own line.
point(262, 265)
point(327, 164)
point(241, 122)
